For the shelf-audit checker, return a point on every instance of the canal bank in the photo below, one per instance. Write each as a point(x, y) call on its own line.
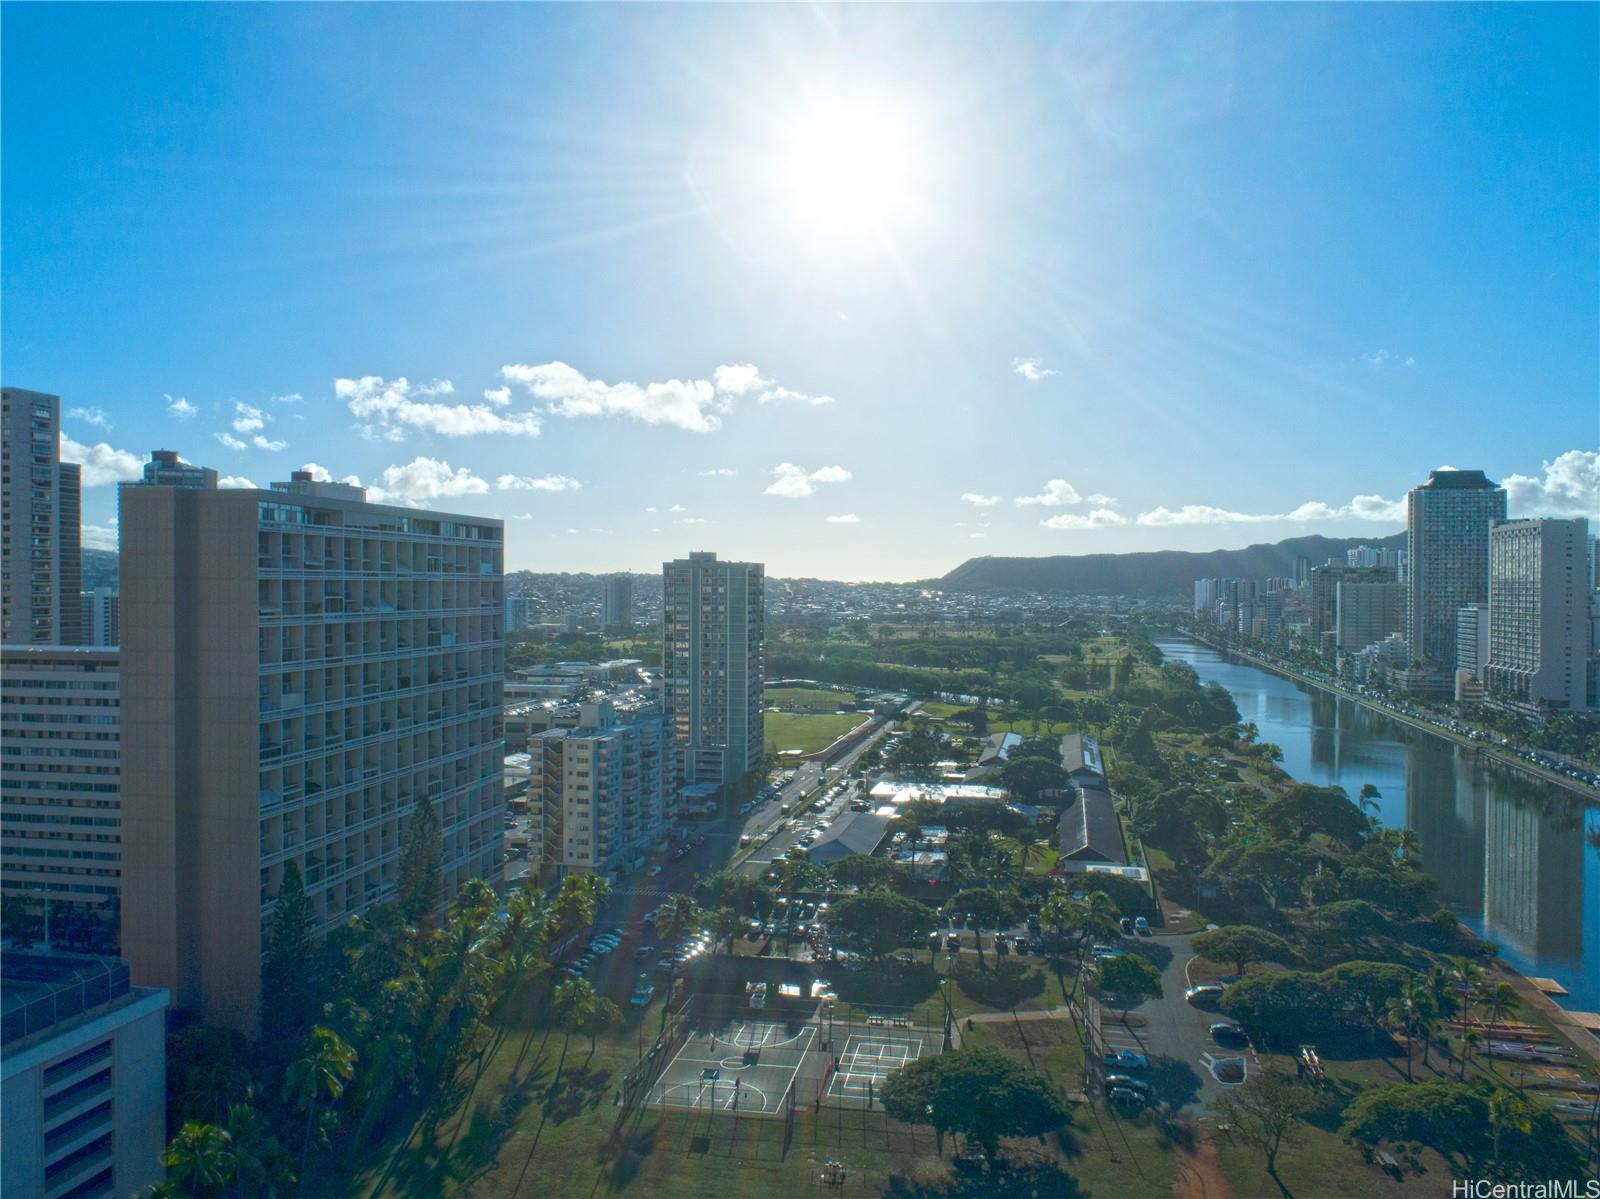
point(1499, 757)
point(1517, 861)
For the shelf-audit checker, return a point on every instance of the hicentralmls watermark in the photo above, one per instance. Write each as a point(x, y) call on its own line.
point(1551, 1188)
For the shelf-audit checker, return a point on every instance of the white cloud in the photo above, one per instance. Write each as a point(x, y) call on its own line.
point(1101, 501)
point(232, 442)
point(498, 396)
point(266, 443)
point(90, 416)
point(717, 472)
point(179, 408)
point(387, 407)
point(980, 501)
point(977, 536)
point(294, 397)
point(424, 479)
point(100, 537)
point(691, 520)
point(677, 508)
point(248, 419)
point(1362, 507)
point(1382, 357)
point(1570, 487)
point(536, 483)
point(102, 463)
point(322, 474)
point(1100, 518)
point(1031, 369)
point(793, 482)
point(848, 518)
point(230, 482)
point(696, 405)
point(1056, 493)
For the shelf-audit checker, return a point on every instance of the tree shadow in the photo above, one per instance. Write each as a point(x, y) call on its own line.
point(1174, 1084)
point(1154, 952)
point(889, 983)
point(578, 1090)
point(1015, 1174)
point(1005, 985)
point(625, 1151)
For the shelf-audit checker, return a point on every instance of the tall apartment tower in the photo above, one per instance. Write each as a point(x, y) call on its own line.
point(166, 469)
point(60, 793)
point(616, 602)
point(40, 510)
point(713, 665)
point(1365, 612)
point(299, 667)
point(1538, 614)
point(74, 629)
point(1447, 566)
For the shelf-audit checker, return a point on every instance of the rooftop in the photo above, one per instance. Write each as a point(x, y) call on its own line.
point(41, 991)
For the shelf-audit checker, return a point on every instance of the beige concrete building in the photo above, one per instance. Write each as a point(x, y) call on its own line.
point(713, 665)
point(597, 791)
point(60, 776)
point(1538, 615)
point(41, 560)
point(298, 667)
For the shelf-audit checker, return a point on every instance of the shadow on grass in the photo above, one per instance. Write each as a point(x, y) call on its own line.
point(625, 1151)
point(1005, 985)
point(429, 1169)
point(891, 983)
point(1013, 1175)
point(575, 1092)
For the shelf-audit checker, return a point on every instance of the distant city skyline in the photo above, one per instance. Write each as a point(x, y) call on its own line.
point(818, 288)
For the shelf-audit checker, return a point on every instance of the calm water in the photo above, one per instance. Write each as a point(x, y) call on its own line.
point(1517, 859)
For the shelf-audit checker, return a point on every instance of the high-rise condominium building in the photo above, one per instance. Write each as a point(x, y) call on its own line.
point(516, 613)
point(1447, 566)
point(60, 799)
point(1472, 640)
point(102, 616)
point(1325, 583)
point(299, 668)
point(1365, 612)
point(598, 790)
point(69, 529)
point(166, 469)
point(713, 636)
point(616, 602)
point(41, 565)
point(1538, 614)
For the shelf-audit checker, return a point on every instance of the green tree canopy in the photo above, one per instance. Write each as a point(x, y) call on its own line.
point(876, 923)
point(1028, 777)
point(421, 849)
point(1241, 944)
point(979, 1093)
point(867, 872)
point(1129, 980)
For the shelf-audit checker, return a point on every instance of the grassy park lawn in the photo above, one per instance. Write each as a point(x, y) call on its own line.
point(808, 733)
point(939, 710)
point(816, 699)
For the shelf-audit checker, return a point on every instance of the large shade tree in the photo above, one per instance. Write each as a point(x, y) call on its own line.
point(979, 1093)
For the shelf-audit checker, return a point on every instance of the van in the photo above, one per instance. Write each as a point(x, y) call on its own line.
point(744, 840)
point(785, 808)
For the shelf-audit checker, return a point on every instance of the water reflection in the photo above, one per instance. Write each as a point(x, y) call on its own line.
point(1518, 860)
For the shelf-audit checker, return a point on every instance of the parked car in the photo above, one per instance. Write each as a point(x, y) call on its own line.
point(1125, 1097)
point(1141, 926)
point(1203, 995)
point(1230, 1035)
point(1127, 924)
point(644, 951)
point(1128, 1082)
point(952, 941)
point(1127, 1059)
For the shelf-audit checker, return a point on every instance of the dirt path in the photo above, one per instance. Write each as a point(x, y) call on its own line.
point(1199, 1173)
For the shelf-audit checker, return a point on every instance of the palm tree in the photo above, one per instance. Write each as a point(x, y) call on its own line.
point(1501, 1002)
point(724, 924)
point(262, 1170)
point(199, 1161)
point(1368, 800)
point(678, 915)
point(1507, 1112)
point(1403, 1011)
point(327, 1064)
point(1470, 1040)
point(1439, 986)
point(1404, 842)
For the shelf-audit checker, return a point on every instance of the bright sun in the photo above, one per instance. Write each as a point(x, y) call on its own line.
point(847, 169)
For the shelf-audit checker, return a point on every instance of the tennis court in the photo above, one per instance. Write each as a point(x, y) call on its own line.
point(740, 1067)
point(856, 1077)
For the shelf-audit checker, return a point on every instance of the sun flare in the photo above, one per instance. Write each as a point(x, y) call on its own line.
point(848, 169)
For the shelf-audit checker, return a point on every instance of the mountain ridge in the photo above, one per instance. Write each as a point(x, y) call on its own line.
point(1151, 573)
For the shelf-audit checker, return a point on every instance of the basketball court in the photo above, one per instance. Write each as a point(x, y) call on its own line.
point(742, 1067)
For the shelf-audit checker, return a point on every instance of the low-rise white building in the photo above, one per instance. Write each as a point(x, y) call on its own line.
point(83, 1078)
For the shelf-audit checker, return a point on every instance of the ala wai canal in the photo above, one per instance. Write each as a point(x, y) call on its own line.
point(1519, 861)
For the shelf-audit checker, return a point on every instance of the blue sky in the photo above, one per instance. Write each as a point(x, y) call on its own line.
point(790, 283)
